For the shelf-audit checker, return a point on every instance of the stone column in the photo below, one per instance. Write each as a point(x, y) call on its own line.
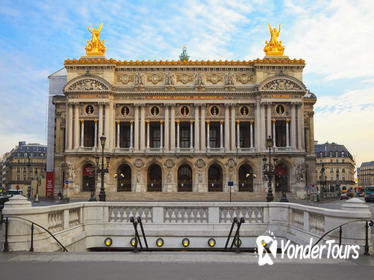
point(268, 116)
point(262, 128)
point(136, 134)
point(178, 140)
point(227, 127)
point(299, 128)
point(207, 134)
point(197, 144)
point(172, 128)
point(131, 134)
point(106, 122)
point(202, 121)
point(161, 134)
point(70, 127)
point(287, 134)
point(233, 128)
point(101, 119)
point(258, 130)
point(293, 126)
point(76, 126)
point(118, 133)
point(274, 135)
point(301, 108)
point(166, 146)
point(238, 135)
point(95, 140)
point(82, 133)
point(148, 135)
point(191, 134)
point(142, 128)
point(221, 134)
point(251, 133)
point(112, 126)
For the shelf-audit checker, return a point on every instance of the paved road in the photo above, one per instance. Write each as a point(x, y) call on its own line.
point(162, 265)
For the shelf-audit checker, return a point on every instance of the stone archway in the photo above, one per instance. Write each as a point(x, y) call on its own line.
point(215, 178)
point(154, 183)
point(88, 177)
point(185, 178)
point(124, 178)
point(246, 176)
point(282, 177)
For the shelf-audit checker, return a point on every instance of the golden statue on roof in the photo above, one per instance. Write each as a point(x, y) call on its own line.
point(274, 47)
point(95, 47)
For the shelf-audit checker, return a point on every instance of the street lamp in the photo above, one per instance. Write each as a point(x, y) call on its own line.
point(102, 169)
point(322, 181)
point(337, 179)
point(269, 169)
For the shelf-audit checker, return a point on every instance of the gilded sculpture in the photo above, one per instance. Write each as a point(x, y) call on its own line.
point(274, 47)
point(95, 47)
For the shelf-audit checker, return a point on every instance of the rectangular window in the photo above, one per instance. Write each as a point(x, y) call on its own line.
point(155, 135)
point(184, 130)
point(214, 135)
point(245, 137)
point(280, 133)
point(124, 135)
point(89, 133)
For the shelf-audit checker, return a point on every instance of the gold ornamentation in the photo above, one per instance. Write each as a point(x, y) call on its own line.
point(125, 79)
point(274, 47)
point(184, 78)
point(281, 84)
point(154, 78)
point(214, 78)
point(88, 84)
point(95, 47)
point(243, 78)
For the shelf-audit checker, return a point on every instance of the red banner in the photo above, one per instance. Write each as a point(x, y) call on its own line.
point(49, 184)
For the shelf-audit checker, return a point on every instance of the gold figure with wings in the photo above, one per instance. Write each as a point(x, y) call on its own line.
point(95, 47)
point(274, 47)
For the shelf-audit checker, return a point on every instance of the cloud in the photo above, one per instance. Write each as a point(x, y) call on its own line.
point(348, 120)
point(334, 37)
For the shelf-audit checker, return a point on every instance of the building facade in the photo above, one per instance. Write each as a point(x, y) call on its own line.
point(335, 166)
point(184, 126)
point(365, 174)
point(25, 166)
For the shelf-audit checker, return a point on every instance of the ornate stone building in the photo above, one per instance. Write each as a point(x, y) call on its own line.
point(365, 174)
point(184, 126)
point(335, 166)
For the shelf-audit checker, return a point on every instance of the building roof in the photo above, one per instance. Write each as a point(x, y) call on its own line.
point(367, 163)
point(59, 73)
point(326, 148)
point(283, 60)
point(33, 150)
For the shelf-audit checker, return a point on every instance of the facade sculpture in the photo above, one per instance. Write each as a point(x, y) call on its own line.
point(95, 47)
point(274, 47)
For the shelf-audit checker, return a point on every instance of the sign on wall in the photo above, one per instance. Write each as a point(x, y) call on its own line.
point(49, 182)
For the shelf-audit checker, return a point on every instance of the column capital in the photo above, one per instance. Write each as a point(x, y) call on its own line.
point(147, 121)
point(95, 121)
point(287, 120)
point(131, 122)
point(251, 121)
point(208, 121)
point(221, 121)
point(161, 121)
point(191, 121)
point(273, 120)
point(237, 122)
point(82, 121)
point(117, 122)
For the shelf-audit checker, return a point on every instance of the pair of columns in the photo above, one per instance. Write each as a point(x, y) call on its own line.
point(287, 134)
point(119, 131)
point(250, 134)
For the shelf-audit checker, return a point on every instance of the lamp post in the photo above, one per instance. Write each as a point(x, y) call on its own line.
point(322, 181)
point(269, 169)
point(337, 179)
point(102, 169)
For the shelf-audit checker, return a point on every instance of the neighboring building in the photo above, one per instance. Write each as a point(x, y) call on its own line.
point(1, 172)
point(335, 166)
point(184, 126)
point(25, 166)
point(365, 174)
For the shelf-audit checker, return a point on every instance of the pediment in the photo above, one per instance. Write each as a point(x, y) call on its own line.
point(282, 84)
point(87, 83)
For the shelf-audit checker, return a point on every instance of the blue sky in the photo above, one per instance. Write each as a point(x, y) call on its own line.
point(334, 37)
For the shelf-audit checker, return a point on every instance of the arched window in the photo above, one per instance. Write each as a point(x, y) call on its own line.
point(184, 178)
point(215, 178)
point(88, 180)
point(123, 178)
point(154, 178)
point(246, 178)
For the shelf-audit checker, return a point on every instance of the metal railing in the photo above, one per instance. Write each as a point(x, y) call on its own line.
point(6, 243)
point(340, 227)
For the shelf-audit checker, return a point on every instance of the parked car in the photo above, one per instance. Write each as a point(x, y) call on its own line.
point(12, 192)
point(369, 193)
point(344, 195)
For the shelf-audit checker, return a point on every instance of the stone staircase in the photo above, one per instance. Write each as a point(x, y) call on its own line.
point(184, 196)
